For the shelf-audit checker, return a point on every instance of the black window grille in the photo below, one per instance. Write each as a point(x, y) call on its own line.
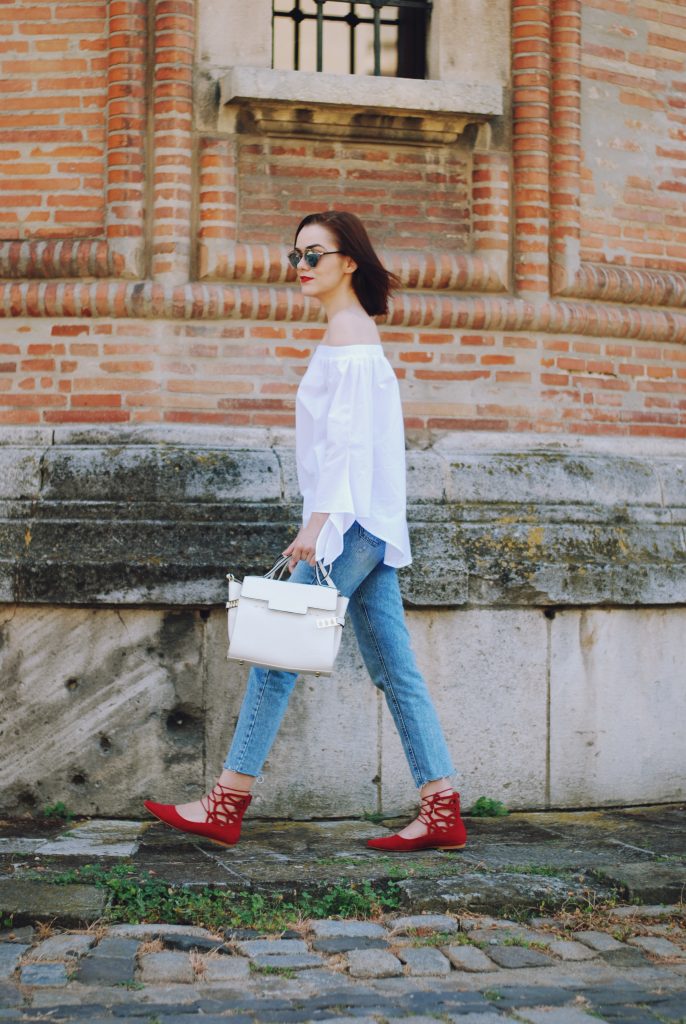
point(379, 37)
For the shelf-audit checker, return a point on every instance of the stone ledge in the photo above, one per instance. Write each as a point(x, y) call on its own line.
point(497, 524)
point(408, 94)
point(355, 106)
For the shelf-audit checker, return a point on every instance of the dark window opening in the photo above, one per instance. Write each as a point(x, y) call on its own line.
point(380, 37)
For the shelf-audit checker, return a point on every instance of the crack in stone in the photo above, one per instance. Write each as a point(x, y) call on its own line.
point(221, 864)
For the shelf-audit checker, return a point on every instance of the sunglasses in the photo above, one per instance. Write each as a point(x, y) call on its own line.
point(311, 256)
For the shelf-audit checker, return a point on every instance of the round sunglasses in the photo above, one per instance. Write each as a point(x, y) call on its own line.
point(311, 256)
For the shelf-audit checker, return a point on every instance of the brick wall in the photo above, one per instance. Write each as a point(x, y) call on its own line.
point(542, 259)
point(53, 66)
point(246, 374)
point(634, 133)
point(409, 196)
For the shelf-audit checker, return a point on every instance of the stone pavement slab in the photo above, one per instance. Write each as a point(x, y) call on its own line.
point(414, 923)
point(673, 1008)
point(415, 1020)
point(59, 946)
point(197, 944)
point(512, 997)
point(656, 910)
point(469, 958)
point(628, 957)
point(568, 949)
point(479, 891)
point(557, 1015)
point(10, 995)
point(373, 963)
point(114, 946)
point(10, 955)
point(43, 974)
point(96, 838)
point(514, 957)
point(657, 946)
point(225, 968)
point(650, 883)
point(331, 929)
point(105, 970)
point(156, 930)
point(156, 968)
point(295, 961)
point(28, 901)
point(441, 999)
point(475, 1018)
point(499, 936)
point(424, 961)
point(343, 943)
point(599, 941)
point(271, 947)
point(193, 1018)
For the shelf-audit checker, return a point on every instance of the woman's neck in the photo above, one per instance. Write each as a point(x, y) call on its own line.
point(344, 302)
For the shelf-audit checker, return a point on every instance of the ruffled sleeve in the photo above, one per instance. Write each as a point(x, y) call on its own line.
point(350, 449)
point(346, 458)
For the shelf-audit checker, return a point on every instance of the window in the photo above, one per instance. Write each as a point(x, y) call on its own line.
point(381, 37)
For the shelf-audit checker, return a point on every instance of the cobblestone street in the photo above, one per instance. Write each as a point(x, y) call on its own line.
point(422, 967)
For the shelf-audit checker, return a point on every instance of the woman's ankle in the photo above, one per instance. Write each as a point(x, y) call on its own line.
point(236, 781)
point(435, 786)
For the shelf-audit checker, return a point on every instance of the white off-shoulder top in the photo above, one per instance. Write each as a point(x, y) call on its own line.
point(350, 448)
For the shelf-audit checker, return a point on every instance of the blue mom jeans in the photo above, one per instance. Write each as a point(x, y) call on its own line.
point(377, 615)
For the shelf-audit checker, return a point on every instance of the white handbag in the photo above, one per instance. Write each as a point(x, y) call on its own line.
point(295, 627)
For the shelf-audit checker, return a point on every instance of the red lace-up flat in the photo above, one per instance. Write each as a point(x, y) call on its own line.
point(224, 808)
point(440, 813)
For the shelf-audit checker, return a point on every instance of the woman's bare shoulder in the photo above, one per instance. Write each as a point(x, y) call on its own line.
point(350, 327)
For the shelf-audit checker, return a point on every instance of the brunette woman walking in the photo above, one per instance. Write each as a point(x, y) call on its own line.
point(351, 469)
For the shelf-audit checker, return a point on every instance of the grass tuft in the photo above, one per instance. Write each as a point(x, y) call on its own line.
point(136, 897)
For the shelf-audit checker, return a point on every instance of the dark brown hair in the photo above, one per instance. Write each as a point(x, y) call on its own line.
point(371, 281)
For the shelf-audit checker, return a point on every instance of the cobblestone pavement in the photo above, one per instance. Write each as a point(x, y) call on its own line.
point(472, 969)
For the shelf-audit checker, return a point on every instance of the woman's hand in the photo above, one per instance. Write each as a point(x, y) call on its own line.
point(303, 548)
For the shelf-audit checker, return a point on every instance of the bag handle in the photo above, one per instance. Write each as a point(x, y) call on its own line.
point(280, 568)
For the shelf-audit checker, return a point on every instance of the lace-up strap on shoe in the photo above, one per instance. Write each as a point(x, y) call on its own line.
point(225, 806)
point(439, 810)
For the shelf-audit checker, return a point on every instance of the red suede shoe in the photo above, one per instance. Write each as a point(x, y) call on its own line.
point(224, 808)
point(441, 814)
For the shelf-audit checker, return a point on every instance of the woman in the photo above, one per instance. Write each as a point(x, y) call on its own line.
point(351, 470)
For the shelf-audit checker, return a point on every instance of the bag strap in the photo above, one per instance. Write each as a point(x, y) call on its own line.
point(280, 568)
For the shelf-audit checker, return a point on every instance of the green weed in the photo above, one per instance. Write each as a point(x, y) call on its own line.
point(492, 994)
point(284, 972)
point(138, 896)
point(541, 869)
point(376, 817)
point(518, 940)
point(485, 807)
point(58, 810)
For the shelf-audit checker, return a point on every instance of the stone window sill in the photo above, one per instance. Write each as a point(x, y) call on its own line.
point(354, 106)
